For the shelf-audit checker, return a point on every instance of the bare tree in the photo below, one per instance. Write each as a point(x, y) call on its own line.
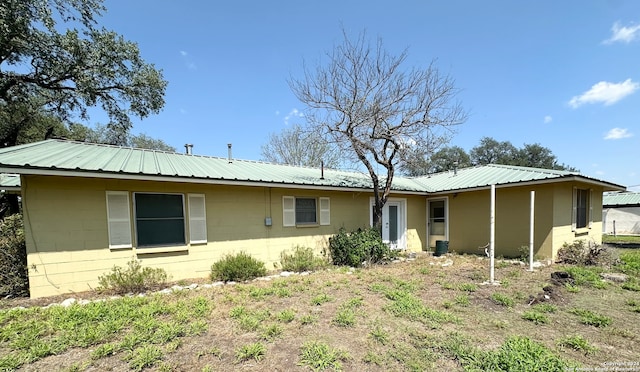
point(295, 146)
point(375, 111)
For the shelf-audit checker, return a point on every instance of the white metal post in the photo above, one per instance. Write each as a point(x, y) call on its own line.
point(531, 229)
point(492, 236)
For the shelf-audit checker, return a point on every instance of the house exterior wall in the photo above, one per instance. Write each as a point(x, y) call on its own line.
point(562, 216)
point(469, 214)
point(621, 220)
point(68, 244)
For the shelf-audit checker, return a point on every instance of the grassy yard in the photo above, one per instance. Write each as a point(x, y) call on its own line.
point(407, 316)
point(621, 239)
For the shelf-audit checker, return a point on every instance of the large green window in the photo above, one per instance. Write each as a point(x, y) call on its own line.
point(159, 219)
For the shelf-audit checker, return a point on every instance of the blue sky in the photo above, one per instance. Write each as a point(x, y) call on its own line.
point(565, 74)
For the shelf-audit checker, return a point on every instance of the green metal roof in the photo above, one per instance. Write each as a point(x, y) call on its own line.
point(496, 174)
point(60, 156)
point(620, 199)
point(95, 160)
point(9, 181)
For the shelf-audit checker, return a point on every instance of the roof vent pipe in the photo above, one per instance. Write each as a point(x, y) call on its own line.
point(455, 168)
point(229, 149)
point(188, 148)
point(321, 169)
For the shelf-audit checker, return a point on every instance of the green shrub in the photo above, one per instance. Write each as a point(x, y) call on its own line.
point(578, 343)
point(238, 267)
point(590, 318)
point(630, 263)
point(502, 299)
point(302, 259)
point(362, 246)
point(536, 317)
point(14, 277)
point(133, 279)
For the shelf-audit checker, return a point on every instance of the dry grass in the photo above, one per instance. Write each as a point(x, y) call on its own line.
point(351, 316)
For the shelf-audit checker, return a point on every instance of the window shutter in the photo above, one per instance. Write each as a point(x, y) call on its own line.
point(197, 219)
point(574, 211)
point(288, 211)
point(119, 220)
point(325, 211)
point(590, 217)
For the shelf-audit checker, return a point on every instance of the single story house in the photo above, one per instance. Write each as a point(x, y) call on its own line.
point(621, 213)
point(88, 207)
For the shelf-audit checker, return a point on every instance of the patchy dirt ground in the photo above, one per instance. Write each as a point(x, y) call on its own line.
point(458, 289)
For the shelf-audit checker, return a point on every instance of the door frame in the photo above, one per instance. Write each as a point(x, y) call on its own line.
point(446, 217)
point(401, 244)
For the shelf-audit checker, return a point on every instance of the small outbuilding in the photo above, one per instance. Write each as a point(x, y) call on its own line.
point(621, 213)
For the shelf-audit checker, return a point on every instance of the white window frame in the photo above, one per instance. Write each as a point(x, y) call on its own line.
point(323, 211)
point(197, 222)
point(574, 211)
point(112, 221)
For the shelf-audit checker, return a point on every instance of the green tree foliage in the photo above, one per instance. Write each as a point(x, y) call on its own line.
point(13, 258)
point(295, 146)
point(489, 151)
point(55, 62)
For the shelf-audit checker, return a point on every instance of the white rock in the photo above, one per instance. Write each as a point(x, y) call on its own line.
point(207, 285)
point(285, 274)
point(538, 264)
point(447, 263)
point(68, 302)
point(231, 283)
point(177, 288)
point(217, 284)
point(142, 294)
point(305, 273)
point(192, 286)
point(166, 291)
point(84, 302)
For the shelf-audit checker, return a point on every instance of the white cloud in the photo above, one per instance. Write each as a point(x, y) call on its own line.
point(277, 112)
point(605, 92)
point(600, 173)
point(623, 34)
point(188, 61)
point(294, 113)
point(548, 119)
point(618, 133)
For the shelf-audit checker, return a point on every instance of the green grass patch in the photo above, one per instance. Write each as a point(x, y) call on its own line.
point(535, 317)
point(321, 299)
point(319, 356)
point(255, 351)
point(468, 287)
point(502, 299)
point(588, 276)
point(286, 316)
point(588, 317)
point(577, 343)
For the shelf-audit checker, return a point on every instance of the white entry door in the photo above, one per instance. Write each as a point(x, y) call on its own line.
point(394, 228)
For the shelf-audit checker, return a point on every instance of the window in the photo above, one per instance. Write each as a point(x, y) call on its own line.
point(582, 217)
point(159, 219)
point(197, 219)
point(305, 211)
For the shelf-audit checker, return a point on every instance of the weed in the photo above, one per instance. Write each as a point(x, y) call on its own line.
point(308, 319)
point(255, 351)
point(630, 263)
point(144, 356)
point(590, 318)
point(321, 299)
point(447, 285)
point(380, 335)
point(104, 351)
point(502, 299)
point(345, 317)
point(272, 332)
point(302, 259)
point(239, 267)
point(545, 308)
point(462, 300)
point(578, 343)
point(447, 304)
point(536, 317)
point(514, 274)
point(468, 287)
point(373, 358)
point(286, 316)
point(320, 356)
point(424, 271)
point(133, 279)
point(572, 288)
point(586, 276)
point(631, 286)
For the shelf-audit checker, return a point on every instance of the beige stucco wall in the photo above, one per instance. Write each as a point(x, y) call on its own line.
point(469, 219)
point(67, 237)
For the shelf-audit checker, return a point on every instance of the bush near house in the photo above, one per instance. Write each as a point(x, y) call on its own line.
point(14, 277)
point(358, 247)
point(239, 267)
point(132, 279)
point(301, 259)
